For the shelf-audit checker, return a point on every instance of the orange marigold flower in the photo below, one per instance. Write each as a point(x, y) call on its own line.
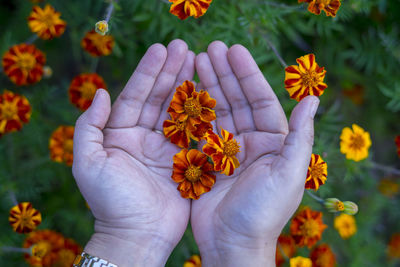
point(61, 144)
point(45, 245)
point(15, 111)
point(24, 218)
point(285, 247)
point(23, 64)
point(397, 141)
point(193, 173)
point(356, 94)
point(322, 256)
point(194, 261)
point(307, 227)
point(195, 107)
point(305, 79)
point(300, 261)
point(97, 45)
point(354, 143)
point(83, 88)
point(222, 151)
point(180, 134)
point(393, 249)
point(185, 8)
point(317, 172)
point(67, 254)
point(329, 6)
point(346, 225)
point(46, 22)
point(388, 187)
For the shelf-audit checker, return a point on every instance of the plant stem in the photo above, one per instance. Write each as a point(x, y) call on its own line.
point(110, 10)
point(32, 39)
point(13, 198)
point(320, 200)
point(386, 169)
point(273, 48)
point(14, 249)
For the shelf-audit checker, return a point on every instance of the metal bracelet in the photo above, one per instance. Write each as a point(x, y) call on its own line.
point(86, 260)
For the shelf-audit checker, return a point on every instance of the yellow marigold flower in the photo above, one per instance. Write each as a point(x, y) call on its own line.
point(355, 143)
point(334, 205)
point(194, 261)
point(346, 225)
point(307, 227)
point(329, 6)
point(393, 249)
point(322, 256)
point(305, 79)
point(222, 151)
point(97, 45)
point(15, 111)
point(286, 246)
point(193, 173)
point(388, 187)
point(300, 261)
point(101, 27)
point(24, 218)
point(61, 145)
point(46, 23)
point(350, 208)
point(23, 64)
point(186, 8)
point(317, 172)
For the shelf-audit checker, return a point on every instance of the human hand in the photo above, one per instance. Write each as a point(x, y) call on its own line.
point(123, 163)
point(238, 222)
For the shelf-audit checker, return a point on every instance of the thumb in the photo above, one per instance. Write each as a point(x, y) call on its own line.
point(296, 152)
point(88, 135)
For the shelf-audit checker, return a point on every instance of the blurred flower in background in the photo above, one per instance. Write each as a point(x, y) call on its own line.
point(61, 144)
point(46, 22)
point(24, 218)
point(355, 142)
point(346, 225)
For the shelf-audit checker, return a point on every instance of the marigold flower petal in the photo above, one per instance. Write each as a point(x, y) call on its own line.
point(186, 8)
point(397, 141)
point(330, 7)
point(61, 145)
point(193, 261)
point(300, 261)
point(317, 172)
point(97, 45)
point(322, 256)
point(354, 143)
point(24, 218)
point(46, 22)
point(393, 248)
point(346, 225)
point(286, 246)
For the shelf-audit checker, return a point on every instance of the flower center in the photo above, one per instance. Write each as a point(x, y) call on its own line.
point(41, 249)
point(310, 78)
point(357, 142)
point(68, 145)
point(88, 90)
point(317, 171)
point(180, 125)
point(310, 228)
point(192, 107)
point(65, 255)
point(193, 173)
point(231, 148)
point(26, 61)
point(339, 206)
point(8, 110)
point(48, 19)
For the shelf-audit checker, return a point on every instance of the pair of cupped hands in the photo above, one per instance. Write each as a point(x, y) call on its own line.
point(123, 162)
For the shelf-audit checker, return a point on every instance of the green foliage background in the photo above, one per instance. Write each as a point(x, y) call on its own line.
point(360, 46)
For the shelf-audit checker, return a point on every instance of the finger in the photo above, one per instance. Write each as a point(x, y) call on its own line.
point(210, 83)
point(186, 74)
point(88, 134)
point(267, 111)
point(128, 106)
point(177, 51)
point(241, 111)
point(296, 152)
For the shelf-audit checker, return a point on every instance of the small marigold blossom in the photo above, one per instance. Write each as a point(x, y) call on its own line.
point(285, 248)
point(322, 256)
point(180, 133)
point(329, 6)
point(193, 173)
point(397, 141)
point(334, 205)
point(317, 172)
point(83, 88)
point(307, 227)
point(67, 254)
point(186, 8)
point(61, 145)
point(47, 72)
point(15, 111)
point(97, 45)
point(350, 208)
point(388, 187)
point(355, 142)
point(101, 27)
point(46, 22)
point(393, 248)
point(23, 64)
point(24, 218)
point(345, 225)
point(194, 261)
point(222, 151)
point(300, 261)
point(356, 94)
point(305, 79)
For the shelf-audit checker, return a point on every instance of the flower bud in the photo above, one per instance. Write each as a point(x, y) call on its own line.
point(102, 27)
point(334, 205)
point(47, 72)
point(350, 208)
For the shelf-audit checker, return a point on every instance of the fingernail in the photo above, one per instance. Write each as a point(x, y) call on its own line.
point(314, 107)
point(95, 95)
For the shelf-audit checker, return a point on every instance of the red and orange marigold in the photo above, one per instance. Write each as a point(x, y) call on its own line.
point(186, 8)
point(285, 248)
point(322, 256)
point(67, 254)
point(61, 145)
point(317, 172)
point(393, 249)
point(397, 141)
point(24, 218)
point(193, 173)
point(307, 227)
point(15, 111)
point(23, 64)
point(305, 79)
point(329, 6)
point(96, 44)
point(46, 22)
point(83, 88)
point(180, 133)
point(222, 151)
